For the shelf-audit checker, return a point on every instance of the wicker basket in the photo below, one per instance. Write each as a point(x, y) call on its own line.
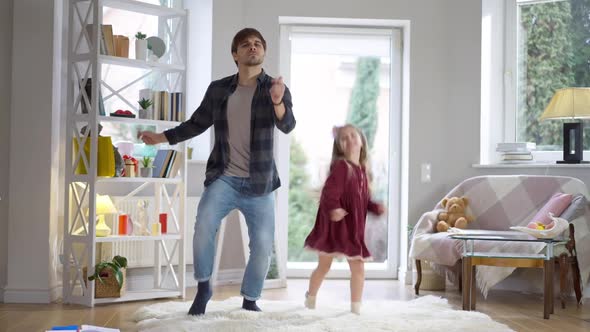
point(430, 279)
point(110, 287)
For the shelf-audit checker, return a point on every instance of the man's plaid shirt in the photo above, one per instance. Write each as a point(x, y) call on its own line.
point(213, 111)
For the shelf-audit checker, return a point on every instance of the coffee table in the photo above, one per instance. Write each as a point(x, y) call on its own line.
point(472, 258)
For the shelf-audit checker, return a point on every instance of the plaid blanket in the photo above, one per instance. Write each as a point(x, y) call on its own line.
point(497, 203)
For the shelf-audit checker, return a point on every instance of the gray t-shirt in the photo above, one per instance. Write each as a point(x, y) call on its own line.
point(239, 109)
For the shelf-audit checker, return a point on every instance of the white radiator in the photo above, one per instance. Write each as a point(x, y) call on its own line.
point(141, 253)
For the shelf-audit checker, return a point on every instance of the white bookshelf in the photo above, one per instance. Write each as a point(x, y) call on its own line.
point(81, 246)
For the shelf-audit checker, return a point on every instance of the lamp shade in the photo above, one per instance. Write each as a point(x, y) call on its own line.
point(104, 205)
point(568, 103)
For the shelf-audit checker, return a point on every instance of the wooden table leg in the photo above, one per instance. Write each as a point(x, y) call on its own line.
point(473, 289)
point(563, 272)
point(547, 289)
point(466, 286)
point(576, 279)
point(418, 276)
point(552, 293)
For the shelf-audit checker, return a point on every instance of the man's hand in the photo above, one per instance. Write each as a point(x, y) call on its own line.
point(151, 138)
point(338, 214)
point(277, 90)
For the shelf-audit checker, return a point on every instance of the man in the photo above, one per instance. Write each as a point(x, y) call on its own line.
point(241, 174)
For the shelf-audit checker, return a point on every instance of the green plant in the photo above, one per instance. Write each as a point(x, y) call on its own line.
point(116, 265)
point(140, 35)
point(146, 162)
point(145, 103)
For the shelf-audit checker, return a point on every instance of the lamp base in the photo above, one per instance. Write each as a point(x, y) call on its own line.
point(573, 144)
point(572, 162)
point(102, 229)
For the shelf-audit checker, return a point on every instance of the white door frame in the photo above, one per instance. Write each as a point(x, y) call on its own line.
point(397, 205)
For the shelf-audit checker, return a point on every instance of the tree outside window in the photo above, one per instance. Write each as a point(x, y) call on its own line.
point(553, 53)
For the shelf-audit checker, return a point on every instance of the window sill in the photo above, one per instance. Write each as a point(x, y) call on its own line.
point(540, 164)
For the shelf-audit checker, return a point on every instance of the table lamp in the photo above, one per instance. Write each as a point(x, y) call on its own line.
point(570, 103)
point(104, 205)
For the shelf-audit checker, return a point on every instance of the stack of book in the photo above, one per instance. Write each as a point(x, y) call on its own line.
point(166, 164)
point(517, 152)
point(167, 106)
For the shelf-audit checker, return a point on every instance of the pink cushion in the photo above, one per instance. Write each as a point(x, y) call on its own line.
point(556, 205)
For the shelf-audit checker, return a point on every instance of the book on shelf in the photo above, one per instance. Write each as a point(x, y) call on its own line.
point(88, 89)
point(517, 156)
point(164, 105)
point(159, 162)
point(107, 33)
point(175, 166)
point(531, 161)
point(167, 106)
point(169, 161)
point(105, 37)
point(156, 105)
point(176, 113)
point(121, 44)
point(164, 163)
point(516, 147)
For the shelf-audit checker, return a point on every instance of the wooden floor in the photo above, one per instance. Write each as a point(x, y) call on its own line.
point(522, 312)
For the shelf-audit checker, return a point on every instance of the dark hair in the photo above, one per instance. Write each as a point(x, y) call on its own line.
point(245, 34)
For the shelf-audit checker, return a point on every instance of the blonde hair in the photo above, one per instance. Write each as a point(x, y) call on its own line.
point(338, 154)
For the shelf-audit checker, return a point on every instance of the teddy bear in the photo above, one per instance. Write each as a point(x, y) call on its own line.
point(454, 214)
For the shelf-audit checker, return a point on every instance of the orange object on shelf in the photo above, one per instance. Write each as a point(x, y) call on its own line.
point(123, 220)
point(164, 222)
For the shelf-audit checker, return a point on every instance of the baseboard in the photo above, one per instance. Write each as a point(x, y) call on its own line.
point(229, 277)
point(275, 283)
point(141, 281)
point(56, 293)
point(403, 275)
point(28, 295)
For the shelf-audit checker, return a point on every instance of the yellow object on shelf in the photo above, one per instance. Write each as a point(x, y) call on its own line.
point(106, 156)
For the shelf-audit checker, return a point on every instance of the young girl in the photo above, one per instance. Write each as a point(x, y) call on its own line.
point(339, 228)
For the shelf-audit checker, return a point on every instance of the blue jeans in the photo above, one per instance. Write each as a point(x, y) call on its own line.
point(219, 198)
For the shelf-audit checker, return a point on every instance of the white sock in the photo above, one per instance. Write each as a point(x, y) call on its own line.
point(355, 307)
point(309, 301)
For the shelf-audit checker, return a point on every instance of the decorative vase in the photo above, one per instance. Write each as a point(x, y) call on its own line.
point(145, 114)
point(141, 49)
point(146, 172)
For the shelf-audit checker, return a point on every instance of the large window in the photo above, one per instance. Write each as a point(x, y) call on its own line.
point(552, 52)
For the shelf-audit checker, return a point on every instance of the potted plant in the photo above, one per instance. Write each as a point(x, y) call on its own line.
point(140, 46)
point(111, 276)
point(144, 111)
point(146, 167)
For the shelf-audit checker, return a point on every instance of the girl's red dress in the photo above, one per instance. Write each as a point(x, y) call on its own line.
point(346, 188)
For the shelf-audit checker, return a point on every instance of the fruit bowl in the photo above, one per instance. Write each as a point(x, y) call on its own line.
point(559, 226)
point(123, 114)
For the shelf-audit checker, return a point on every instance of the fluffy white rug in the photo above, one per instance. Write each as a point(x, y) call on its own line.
point(427, 313)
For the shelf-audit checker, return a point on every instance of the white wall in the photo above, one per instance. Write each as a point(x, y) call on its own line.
point(5, 65)
point(32, 211)
point(444, 110)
